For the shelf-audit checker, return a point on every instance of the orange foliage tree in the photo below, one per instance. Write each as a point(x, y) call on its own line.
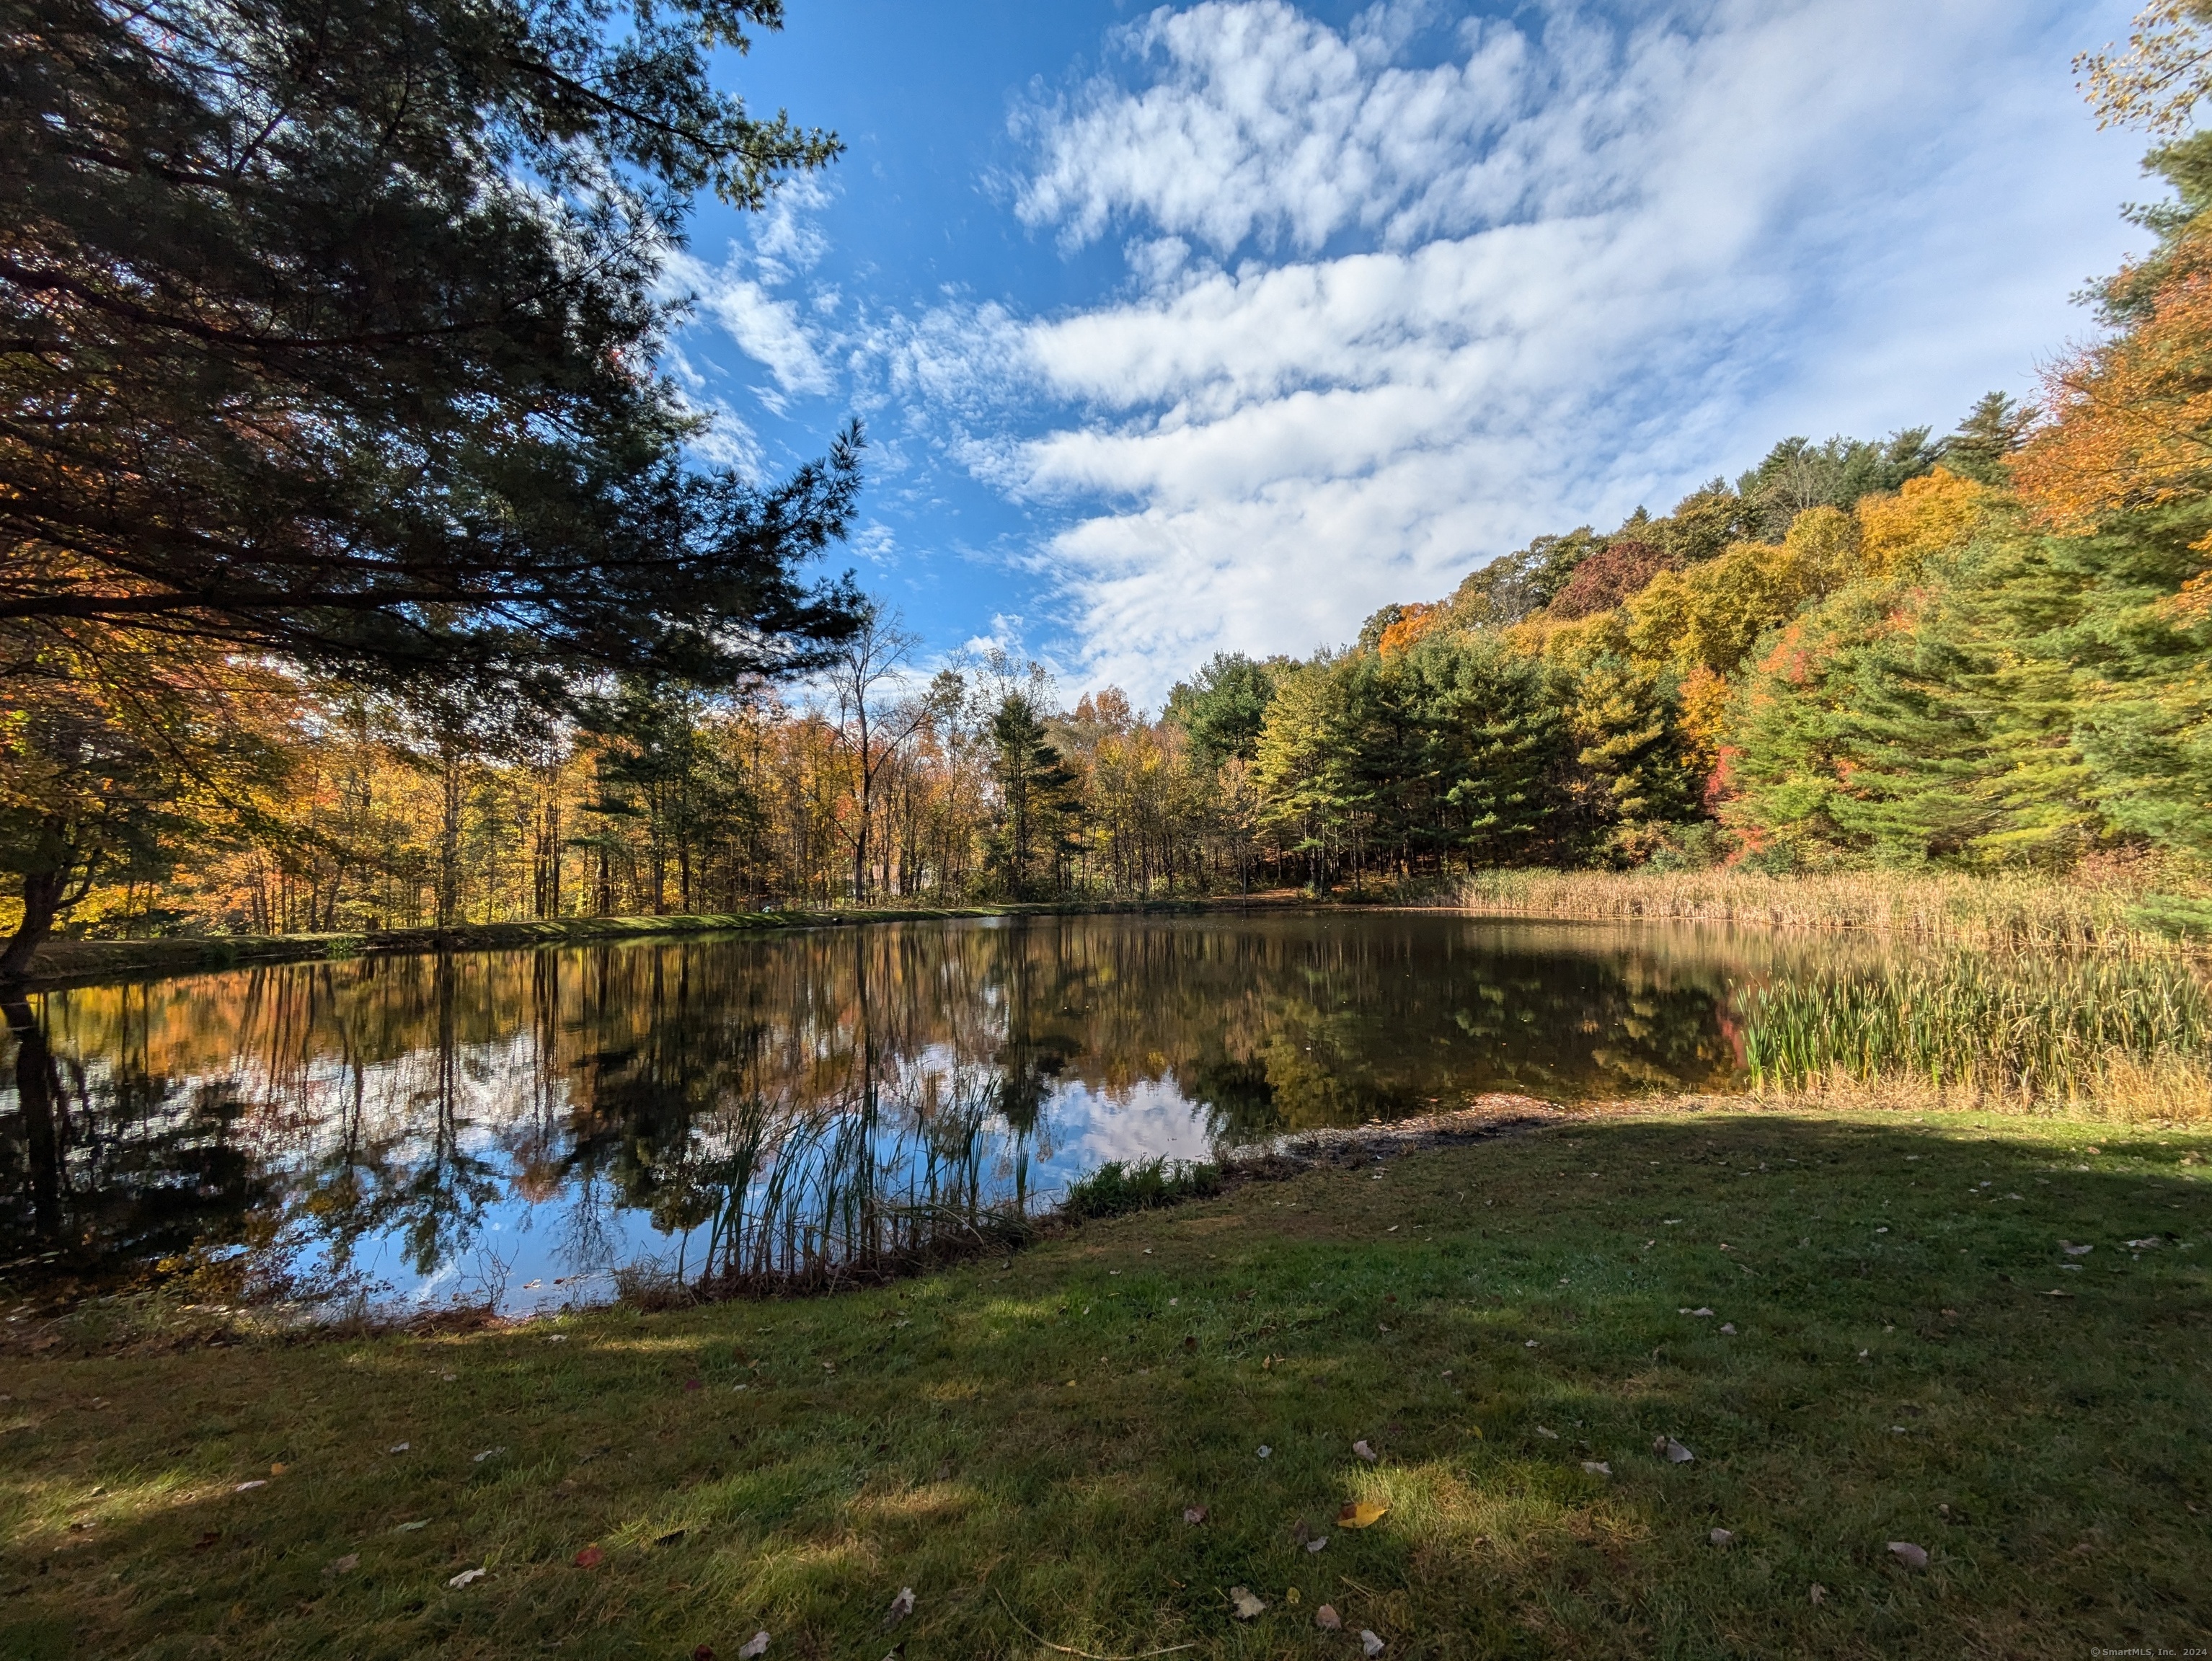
point(2128, 422)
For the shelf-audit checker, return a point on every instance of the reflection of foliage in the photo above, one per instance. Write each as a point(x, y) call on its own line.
point(817, 1100)
point(1237, 1096)
point(103, 1164)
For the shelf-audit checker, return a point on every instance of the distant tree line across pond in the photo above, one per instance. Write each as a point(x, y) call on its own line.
point(358, 581)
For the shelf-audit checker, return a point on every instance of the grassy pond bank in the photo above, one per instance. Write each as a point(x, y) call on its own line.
point(1865, 1328)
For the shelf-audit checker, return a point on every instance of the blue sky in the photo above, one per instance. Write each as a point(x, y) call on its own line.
point(1219, 325)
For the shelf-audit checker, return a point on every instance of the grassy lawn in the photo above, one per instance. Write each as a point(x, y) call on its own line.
point(1914, 1359)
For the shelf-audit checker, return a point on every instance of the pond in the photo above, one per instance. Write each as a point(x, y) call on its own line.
point(517, 1128)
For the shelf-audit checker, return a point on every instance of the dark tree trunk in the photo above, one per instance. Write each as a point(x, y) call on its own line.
point(42, 899)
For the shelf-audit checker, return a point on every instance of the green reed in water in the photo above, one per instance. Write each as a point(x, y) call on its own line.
point(2118, 1032)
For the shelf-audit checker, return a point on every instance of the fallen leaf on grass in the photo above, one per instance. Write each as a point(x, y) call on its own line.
point(1597, 1467)
point(1820, 1593)
point(276, 1469)
point(702, 1652)
point(465, 1577)
point(753, 1647)
point(1368, 1643)
point(1675, 1452)
point(1292, 1596)
point(590, 1557)
point(1548, 1435)
point(1362, 1513)
point(1721, 1537)
point(1366, 1452)
point(345, 1565)
point(1328, 1619)
point(1911, 1556)
point(902, 1606)
point(1193, 1514)
point(1246, 1605)
point(691, 1385)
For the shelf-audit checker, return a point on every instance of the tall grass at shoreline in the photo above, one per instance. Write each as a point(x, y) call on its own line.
point(2013, 910)
point(2124, 1036)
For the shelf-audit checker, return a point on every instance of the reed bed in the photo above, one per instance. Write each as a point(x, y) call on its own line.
point(2127, 1037)
point(2008, 912)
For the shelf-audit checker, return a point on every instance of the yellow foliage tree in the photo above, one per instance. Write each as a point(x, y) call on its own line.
point(1711, 614)
point(118, 750)
point(1937, 513)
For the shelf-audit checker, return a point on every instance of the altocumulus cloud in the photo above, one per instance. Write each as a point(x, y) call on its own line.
point(1383, 318)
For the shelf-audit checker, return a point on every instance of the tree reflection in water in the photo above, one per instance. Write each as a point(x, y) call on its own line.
point(749, 1109)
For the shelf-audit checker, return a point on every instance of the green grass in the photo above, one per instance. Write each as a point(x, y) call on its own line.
point(1016, 1439)
point(1117, 1187)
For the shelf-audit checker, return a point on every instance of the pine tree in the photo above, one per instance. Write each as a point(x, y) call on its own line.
point(332, 331)
point(1036, 805)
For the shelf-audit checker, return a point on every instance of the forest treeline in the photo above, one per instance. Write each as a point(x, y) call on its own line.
point(563, 671)
point(1985, 649)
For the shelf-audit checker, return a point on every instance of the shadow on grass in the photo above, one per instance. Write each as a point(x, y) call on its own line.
point(1020, 1445)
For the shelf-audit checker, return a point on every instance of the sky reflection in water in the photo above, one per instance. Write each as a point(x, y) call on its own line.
point(527, 1122)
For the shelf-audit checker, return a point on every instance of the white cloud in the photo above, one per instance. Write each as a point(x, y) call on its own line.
point(1385, 322)
point(765, 327)
point(738, 295)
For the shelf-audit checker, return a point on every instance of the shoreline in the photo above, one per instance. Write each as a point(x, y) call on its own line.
point(76, 962)
point(1928, 912)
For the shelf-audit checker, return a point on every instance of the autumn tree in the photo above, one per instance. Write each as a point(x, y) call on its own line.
point(874, 653)
point(120, 762)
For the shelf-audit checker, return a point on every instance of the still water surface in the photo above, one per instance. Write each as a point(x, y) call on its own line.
point(517, 1127)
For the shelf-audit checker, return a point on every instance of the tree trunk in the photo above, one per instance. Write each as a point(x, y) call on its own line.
point(448, 899)
point(42, 896)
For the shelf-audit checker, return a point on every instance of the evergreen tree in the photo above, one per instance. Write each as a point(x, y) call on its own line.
point(1981, 449)
point(1223, 706)
point(1797, 474)
point(2139, 663)
point(1036, 807)
point(332, 332)
point(1502, 748)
